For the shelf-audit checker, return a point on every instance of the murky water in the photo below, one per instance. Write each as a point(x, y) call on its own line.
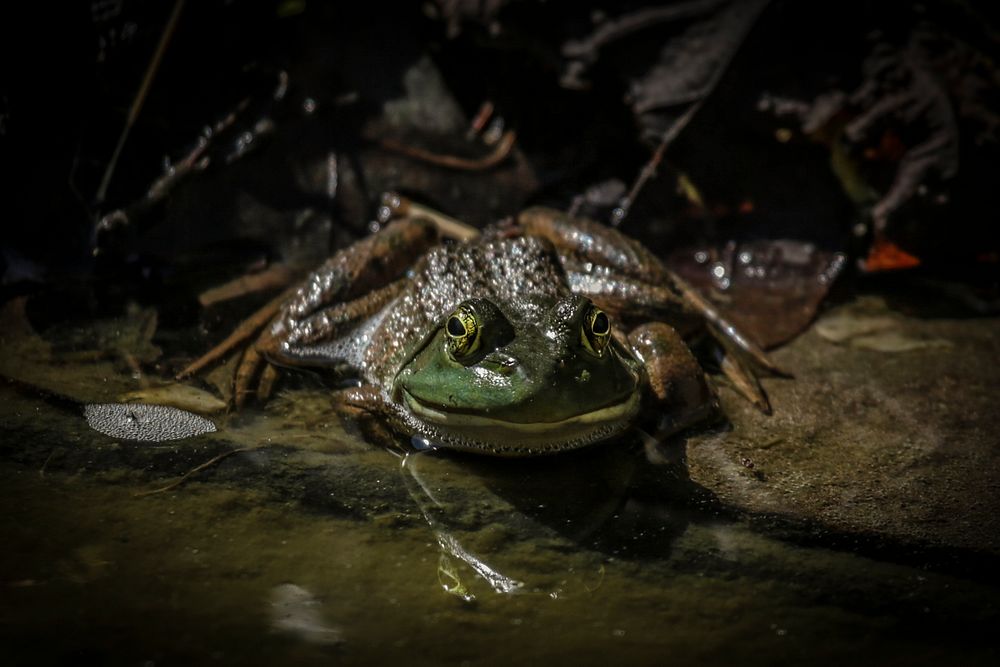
point(310, 546)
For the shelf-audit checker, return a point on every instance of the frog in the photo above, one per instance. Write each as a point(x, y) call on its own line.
point(542, 335)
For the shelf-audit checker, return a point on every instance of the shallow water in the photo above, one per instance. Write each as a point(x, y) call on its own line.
point(312, 546)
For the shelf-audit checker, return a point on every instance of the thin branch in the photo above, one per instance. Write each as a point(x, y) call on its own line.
point(277, 275)
point(649, 169)
point(247, 329)
point(194, 471)
point(489, 161)
point(140, 97)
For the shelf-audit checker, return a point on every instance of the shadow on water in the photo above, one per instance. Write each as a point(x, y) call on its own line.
point(635, 500)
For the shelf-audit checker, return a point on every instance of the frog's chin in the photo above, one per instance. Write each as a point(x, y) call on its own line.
point(459, 430)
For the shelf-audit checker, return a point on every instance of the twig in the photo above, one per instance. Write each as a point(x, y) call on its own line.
point(41, 471)
point(194, 471)
point(274, 276)
point(631, 23)
point(448, 226)
point(489, 161)
point(649, 169)
point(247, 329)
point(482, 117)
point(140, 97)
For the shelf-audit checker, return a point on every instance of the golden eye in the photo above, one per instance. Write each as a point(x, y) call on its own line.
point(596, 333)
point(463, 332)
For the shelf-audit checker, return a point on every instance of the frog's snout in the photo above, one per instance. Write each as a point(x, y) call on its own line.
point(502, 363)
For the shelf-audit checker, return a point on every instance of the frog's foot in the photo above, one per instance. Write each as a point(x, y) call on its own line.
point(255, 375)
point(676, 380)
point(248, 329)
point(362, 407)
point(253, 365)
point(724, 331)
point(742, 377)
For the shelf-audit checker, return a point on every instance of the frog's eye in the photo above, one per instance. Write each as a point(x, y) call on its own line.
point(463, 332)
point(596, 333)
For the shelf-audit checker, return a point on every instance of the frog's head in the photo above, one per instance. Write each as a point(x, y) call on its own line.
point(555, 378)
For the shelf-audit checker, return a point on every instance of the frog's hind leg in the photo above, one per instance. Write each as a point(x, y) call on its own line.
point(351, 285)
point(727, 333)
point(260, 359)
point(676, 380)
point(247, 329)
point(594, 242)
point(363, 267)
point(336, 320)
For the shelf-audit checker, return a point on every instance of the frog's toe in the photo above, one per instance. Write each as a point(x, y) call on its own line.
point(743, 379)
point(268, 377)
point(248, 370)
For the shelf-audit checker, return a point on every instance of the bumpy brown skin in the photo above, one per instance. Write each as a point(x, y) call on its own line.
point(674, 376)
point(363, 311)
point(617, 272)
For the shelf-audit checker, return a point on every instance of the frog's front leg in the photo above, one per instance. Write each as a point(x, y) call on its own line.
point(364, 408)
point(677, 385)
point(348, 287)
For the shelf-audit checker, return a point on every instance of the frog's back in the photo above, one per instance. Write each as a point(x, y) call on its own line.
point(519, 275)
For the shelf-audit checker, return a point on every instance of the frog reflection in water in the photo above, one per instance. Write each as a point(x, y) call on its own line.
point(541, 337)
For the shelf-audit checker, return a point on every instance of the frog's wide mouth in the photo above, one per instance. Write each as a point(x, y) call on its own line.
point(476, 430)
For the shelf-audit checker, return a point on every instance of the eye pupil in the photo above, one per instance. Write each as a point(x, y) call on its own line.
point(595, 332)
point(601, 325)
point(455, 327)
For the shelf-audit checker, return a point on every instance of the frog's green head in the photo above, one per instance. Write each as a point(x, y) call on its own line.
point(552, 377)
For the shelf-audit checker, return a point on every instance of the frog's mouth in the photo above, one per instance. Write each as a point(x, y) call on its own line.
point(463, 430)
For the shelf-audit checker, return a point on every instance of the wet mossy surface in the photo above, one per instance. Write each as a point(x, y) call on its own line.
point(858, 523)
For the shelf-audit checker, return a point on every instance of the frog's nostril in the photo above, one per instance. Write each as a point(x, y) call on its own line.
point(504, 364)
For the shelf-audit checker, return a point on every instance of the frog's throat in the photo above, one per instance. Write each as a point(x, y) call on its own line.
point(617, 413)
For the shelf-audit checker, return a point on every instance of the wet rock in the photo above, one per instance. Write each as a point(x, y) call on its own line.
point(862, 442)
point(855, 326)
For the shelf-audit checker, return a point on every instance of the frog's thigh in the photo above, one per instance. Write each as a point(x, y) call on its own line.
point(676, 380)
point(621, 294)
point(329, 323)
point(594, 242)
point(371, 263)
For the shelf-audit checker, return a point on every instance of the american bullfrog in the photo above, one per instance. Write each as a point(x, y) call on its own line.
point(541, 336)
